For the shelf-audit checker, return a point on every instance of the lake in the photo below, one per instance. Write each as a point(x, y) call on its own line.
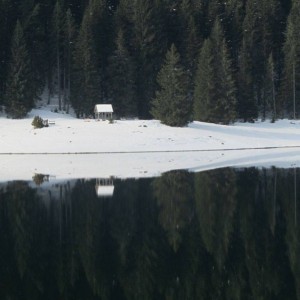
point(230, 233)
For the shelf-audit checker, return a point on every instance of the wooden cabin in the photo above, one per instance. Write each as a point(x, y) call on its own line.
point(103, 112)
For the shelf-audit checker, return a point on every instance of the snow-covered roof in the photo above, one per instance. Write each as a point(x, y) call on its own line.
point(103, 108)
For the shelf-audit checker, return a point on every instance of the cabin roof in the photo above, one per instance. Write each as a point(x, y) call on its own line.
point(103, 108)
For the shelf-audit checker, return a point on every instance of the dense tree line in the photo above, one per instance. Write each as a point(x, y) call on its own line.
point(176, 60)
point(178, 236)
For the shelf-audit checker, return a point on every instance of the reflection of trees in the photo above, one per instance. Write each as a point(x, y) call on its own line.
point(264, 246)
point(138, 238)
point(289, 197)
point(236, 239)
point(173, 192)
point(92, 237)
point(215, 196)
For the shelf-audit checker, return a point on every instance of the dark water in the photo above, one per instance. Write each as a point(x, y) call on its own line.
point(222, 234)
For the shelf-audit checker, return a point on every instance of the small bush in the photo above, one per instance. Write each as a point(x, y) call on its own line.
point(38, 122)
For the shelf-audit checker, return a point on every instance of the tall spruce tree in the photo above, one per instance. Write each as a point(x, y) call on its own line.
point(270, 109)
point(85, 91)
point(57, 40)
point(101, 22)
point(204, 83)
point(69, 42)
point(251, 63)
point(35, 39)
point(144, 40)
point(247, 103)
point(19, 97)
point(291, 81)
point(122, 89)
point(171, 104)
point(216, 81)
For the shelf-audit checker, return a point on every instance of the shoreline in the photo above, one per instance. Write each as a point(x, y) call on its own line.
point(150, 151)
point(139, 165)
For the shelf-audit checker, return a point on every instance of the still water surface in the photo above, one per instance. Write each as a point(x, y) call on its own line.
point(221, 234)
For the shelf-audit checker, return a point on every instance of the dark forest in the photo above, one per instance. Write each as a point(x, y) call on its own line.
point(174, 60)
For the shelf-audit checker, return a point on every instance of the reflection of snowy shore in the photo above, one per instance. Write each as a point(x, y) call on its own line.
point(137, 165)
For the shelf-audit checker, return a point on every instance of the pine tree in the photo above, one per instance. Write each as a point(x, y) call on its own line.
point(7, 25)
point(291, 80)
point(85, 91)
point(251, 63)
point(57, 39)
point(122, 83)
point(35, 39)
point(101, 22)
point(171, 104)
point(19, 98)
point(270, 90)
point(190, 39)
point(247, 102)
point(204, 84)
point(215, 81)
point(144, 40)
point(69, 41)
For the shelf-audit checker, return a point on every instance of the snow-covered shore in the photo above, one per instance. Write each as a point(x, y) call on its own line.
point(138, 148)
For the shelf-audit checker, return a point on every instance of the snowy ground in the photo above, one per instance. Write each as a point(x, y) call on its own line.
point(136, 148)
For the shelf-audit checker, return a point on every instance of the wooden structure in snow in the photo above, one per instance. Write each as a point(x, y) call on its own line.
point(103, 111)
point(104, 187)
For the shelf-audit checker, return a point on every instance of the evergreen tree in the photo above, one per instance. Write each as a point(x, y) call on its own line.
point(69, 41)
point(19, 98)
point(215, 91)
point(204, 84)
point(85, 91)
point(57, 40)
point(247, 102)
point(270, 91)
point(291, 80)
point(251, 63)
point(122, 83)
point(144, 41)
point(35, 39)
point(101, 22)
point(190, 41)
point(171, 104)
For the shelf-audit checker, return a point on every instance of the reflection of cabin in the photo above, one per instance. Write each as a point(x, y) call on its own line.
point(103, 111)
point(104, 187)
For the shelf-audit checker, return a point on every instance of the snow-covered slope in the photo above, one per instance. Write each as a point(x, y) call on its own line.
point(71, 135)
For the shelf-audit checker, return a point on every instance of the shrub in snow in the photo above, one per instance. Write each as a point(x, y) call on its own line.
point(38, 122)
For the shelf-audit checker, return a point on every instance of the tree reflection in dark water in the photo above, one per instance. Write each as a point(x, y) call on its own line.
point(221, 234)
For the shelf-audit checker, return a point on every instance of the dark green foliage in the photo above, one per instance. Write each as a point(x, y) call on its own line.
point(269, 101)
point(34, 32)
point(122, 90)
point(291, 84)
point(86, 69)
point(85, 90)
point(216, 234)
point(56, 66)
point(172, 104)
point(38, 122)
point(215, 90)
point(19, 98)
point(204, 90)
point(69, 41)
point(247, 102)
